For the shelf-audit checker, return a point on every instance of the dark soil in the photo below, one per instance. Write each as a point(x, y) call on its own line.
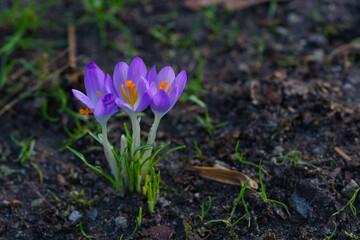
point(294, 98)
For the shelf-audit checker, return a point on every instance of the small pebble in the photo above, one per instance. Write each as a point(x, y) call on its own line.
point(92, 213)
point(36, 203)
point(300, 205)
point(157, 219)
point(349, 189)
point(75, 216)
point(122, 222)
point(163, 202)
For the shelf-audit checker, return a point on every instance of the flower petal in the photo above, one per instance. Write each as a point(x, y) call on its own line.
point(145, 102)
point(151, 77)
point(161, 102)
point(173, 96)
point(109, 85)
point(84, 99)
point(138, 69)
point(120, 75)
point(180, 82)
point(165, 74)
point(105, 108)
point(124, 106)
point(94, 81)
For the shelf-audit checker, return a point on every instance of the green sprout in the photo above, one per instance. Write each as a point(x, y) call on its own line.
point(293, 159)
point(228, 221)
point(27, 149)
point(241, 156)
point(351, 203)
point(333, 232)
point(79, 225)
point(351, 236)
point(263, 193)
point(260, 49)
point(206, 124)
point(272, 9)
point(203, 211)
point(139, 217)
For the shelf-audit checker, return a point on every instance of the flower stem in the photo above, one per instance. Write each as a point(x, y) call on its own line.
point(151, 140)
point(110, 156)
point(136, 133)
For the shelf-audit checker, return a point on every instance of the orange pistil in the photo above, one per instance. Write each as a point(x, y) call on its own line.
point(98, 92)
point(85, 111)
point(163, 85)
point(132, 97)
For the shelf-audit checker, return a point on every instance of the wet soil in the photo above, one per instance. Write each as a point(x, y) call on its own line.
point(294, 95)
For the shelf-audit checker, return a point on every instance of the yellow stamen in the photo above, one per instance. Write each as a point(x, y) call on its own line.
point(98, 92)
point(132, 97)
point(85, 111)
point(163, 85)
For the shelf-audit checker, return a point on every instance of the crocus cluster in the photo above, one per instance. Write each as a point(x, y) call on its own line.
point(132, 89)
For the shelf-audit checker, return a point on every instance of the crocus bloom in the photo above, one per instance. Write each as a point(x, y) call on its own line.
point(103, 107)
point(165, 88)
point(130, 86)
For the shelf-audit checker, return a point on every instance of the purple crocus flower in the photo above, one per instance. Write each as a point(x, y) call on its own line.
point(130, 86)
point(96, 99)
point(165, 88)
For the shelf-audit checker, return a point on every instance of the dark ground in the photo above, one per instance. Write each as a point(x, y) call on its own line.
point(295, 97)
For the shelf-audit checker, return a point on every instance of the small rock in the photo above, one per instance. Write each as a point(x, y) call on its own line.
point(282, 31)
point(36, 203)
point(319, 55)
point(163, 202)
point(278, 151)
point(75, 216)
point(92, 213)
point(157, 219)
point(349, 189)
point(294, 18)
point(197, 195)
point(122, 222)
point(317, 39)
point(347, 87)
point(300, 205)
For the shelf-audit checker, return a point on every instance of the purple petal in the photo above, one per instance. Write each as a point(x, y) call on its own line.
point(124, 106)
point(145, 102)
point(105, 108)
point(142, 86)
point(173, 96)
point(84, 99)
point(165, 74)
point(161, 102)
point(109, 85)
point(138, 69)
point(151, 77)
point(94, 81)
point(120, 75)
point(180, 82)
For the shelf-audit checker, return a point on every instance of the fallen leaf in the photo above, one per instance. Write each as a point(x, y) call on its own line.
point(342, 154)
point(228, 4)
point(223, 175)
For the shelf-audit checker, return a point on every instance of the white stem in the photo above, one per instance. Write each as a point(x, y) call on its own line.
point(151, 140)
point(123, 146)
point(136, 133)
point(110, 156)
point(153, 130)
